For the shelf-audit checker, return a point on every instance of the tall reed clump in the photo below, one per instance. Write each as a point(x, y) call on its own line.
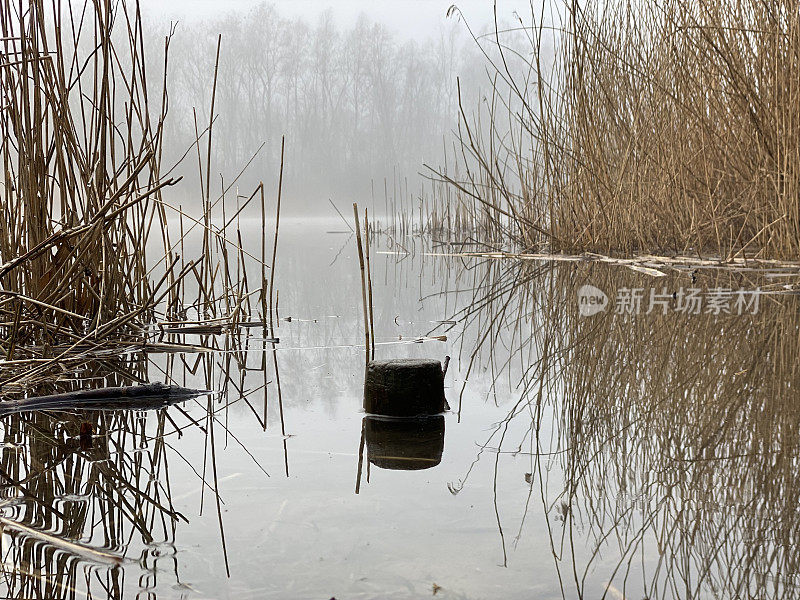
point(80, 146)
point(668, 126)
point(80, 160)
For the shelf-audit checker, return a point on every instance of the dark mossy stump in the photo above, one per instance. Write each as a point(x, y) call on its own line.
point(403, 443)
point(407, 387)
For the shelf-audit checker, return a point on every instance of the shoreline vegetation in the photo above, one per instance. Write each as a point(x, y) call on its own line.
point(660, 128)
point(83, 207)
point(98, 293)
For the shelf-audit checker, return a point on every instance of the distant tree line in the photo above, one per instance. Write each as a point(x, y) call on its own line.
point(356, 103)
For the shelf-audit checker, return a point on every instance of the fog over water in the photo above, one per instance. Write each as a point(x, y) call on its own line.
point(366, 93)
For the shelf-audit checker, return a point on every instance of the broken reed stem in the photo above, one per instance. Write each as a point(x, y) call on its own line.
point(363, 282)
point(208, 273)
point(369, 284)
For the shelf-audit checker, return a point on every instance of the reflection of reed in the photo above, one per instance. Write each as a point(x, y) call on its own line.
point(677, 437)
point(68, 499)
point(75, 506)
point(681, 432)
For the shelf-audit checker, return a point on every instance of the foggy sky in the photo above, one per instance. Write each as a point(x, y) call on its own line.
point(415, 19)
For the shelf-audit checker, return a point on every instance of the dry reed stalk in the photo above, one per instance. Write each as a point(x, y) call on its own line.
point(264, 301)
point(369, 284)
point(364, 303)
point(275, 242)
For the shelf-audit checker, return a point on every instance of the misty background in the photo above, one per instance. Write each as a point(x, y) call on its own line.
point(365, 93)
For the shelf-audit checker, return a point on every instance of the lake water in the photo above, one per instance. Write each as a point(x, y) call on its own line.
point(612, 455)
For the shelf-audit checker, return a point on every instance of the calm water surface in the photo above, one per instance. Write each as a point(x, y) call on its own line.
point(619, 456)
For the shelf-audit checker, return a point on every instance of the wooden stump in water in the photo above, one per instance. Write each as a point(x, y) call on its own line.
point(404, 387)
point(406, 444)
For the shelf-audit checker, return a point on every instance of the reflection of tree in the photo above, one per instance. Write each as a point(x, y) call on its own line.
point(675, 438)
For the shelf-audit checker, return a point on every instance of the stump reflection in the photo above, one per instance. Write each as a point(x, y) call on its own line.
point(405, 444)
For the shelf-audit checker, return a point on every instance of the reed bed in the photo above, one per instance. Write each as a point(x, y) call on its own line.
point(441, 208)
point(81, 177)
point(84, 210)
point(621, 126)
